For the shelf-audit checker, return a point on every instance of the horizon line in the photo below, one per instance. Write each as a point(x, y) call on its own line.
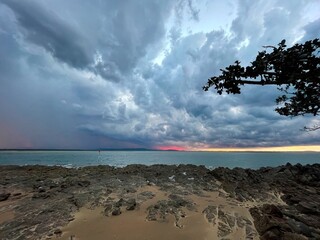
point(298, 148)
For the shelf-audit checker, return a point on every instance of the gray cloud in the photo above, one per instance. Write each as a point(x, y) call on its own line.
point(312, 30)
point(87, 74)
point(46, 29)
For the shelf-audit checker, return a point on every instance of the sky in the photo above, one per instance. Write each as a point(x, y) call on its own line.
point(129, 74)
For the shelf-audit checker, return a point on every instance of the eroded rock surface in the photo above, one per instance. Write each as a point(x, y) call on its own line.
point(286, 199)
point(298, 187)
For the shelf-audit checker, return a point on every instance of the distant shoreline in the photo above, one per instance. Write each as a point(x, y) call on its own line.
point(120, 158)
point(150, 150)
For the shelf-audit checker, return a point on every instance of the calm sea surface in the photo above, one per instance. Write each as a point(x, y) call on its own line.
point(252, 160)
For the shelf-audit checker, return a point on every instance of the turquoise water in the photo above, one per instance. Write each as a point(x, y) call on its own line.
point(252, 160)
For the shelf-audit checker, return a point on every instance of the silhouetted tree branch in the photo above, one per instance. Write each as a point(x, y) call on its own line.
point(296, 70)
point(314, 128)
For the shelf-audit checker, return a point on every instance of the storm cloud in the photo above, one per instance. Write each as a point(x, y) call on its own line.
point(118, 74)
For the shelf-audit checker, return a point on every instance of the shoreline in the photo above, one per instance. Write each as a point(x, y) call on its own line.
point(42, 202)
point(211, 160)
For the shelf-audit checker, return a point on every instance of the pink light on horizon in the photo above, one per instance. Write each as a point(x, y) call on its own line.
point(171, 148)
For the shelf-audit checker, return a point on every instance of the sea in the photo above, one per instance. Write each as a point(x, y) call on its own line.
point(74, 159)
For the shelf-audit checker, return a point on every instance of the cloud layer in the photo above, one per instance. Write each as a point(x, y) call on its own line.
point(92, 74)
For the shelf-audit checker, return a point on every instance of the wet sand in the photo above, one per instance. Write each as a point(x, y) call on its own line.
point(93, 225)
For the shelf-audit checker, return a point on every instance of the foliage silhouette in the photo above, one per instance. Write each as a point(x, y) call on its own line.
point(295, 70)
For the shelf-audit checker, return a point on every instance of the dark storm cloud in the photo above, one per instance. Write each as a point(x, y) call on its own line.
point(127, 33)
point(312, 30)
point(59, 55)
point(44, 28)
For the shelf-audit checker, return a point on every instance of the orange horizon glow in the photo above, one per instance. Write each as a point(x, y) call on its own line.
point(306, 148)
point(311, 148)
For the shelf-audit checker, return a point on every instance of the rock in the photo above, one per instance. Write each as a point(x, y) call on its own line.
point(59, 192)
point(79, 200)
point(116, 211)
point(57, 231)
point(250, 233)
point(131, 204)
point(119, 203)
point(84, 183)
point(107, 209)
point(210, 213)
point(41, 189)
point(152, 215)
point(223, 229)
point(130, 190)
point(4, 196)
point(146, 195)
point(226, 218)
point(242, 221)
point(272, 210)
point(269, 221)
point(42, 195)
point(309, 208)
point(178, 201)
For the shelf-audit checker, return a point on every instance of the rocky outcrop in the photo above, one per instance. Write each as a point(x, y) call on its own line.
point(175, 206)
point(298, 217)
point(227, 221)
point(46, 198)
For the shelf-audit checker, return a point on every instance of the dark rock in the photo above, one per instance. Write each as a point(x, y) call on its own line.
point(269, 221)
point(309, 208)
point(152, 214)
point(131, 204)
point(42, 195)
point(210, 213)
point(294, 236)
point(79, 200)
point(116, 212)
point(4, 196)
point(84, 183)
point(242, 221)
point(226, 218)
point(178, 201)
point(57, 231)
point(146, 195)
point(223, 229)
point(272, 210)
point(130, 190)
point(119, 203)
point(108, 209)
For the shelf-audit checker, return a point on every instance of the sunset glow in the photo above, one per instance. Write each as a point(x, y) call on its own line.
point(313, 148)
point(170, 148)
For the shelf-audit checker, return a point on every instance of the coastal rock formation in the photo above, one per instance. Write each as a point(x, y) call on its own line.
point(297, 187)
point(283, 201)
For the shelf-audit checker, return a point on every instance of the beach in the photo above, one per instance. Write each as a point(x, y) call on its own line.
point(159, 202)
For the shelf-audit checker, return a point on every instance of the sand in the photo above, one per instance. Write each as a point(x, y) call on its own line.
point(92, 224)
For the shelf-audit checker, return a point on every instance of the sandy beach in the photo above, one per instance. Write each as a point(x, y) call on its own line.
point(92, 224)
point(159, 202)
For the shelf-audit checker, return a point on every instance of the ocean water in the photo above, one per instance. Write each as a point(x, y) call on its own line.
point(253, 160)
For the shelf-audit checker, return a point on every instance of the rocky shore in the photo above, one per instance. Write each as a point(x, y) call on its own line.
point(37, 202)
